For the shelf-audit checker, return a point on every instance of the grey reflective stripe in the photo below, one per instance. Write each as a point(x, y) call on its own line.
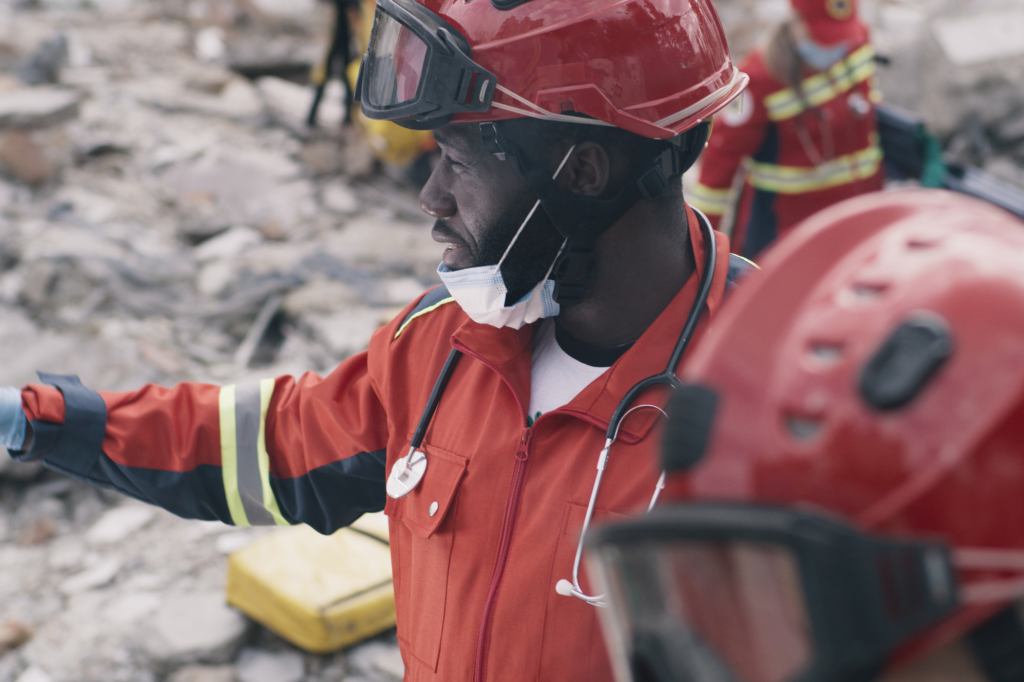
point(247, 432)
point(433, 299)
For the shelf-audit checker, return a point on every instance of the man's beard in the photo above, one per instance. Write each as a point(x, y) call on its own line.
point(530, 257)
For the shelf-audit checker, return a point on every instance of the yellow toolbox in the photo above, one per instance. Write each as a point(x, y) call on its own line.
point(318, 592)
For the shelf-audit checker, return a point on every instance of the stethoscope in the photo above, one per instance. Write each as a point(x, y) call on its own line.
point(408, 471)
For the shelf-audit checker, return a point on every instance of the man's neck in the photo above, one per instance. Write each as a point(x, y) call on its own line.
point(641, 262)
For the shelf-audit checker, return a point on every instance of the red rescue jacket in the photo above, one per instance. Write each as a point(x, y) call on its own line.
point(478, 547)
point(799, 154)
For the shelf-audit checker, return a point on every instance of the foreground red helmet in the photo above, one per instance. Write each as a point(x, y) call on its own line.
point(653, 67)
point(852, 465)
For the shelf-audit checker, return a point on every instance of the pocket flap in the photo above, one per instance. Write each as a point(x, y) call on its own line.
point(425, 508)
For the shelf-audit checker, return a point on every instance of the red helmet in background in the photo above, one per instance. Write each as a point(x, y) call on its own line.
point(831, 21)
point(856, 499)
point(652, 67)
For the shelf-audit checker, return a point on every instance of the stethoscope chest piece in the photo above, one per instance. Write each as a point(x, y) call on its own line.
point(406, 474)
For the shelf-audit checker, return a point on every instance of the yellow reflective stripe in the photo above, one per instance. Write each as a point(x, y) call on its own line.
point(269, 500)
point(800, 179)
point(709, 199)
point(745, 260)
point(823, 87)
point(426, 310)
point(229, 456)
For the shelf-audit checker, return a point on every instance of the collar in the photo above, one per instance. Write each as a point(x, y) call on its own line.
point(509, 351)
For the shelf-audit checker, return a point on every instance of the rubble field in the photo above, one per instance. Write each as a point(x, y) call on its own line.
point(166, 215)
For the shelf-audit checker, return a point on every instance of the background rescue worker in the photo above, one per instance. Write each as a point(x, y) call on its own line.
point(844, 502)
point(804, 133)
point(573, 266)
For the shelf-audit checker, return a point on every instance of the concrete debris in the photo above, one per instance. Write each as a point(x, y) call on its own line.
point(118, 523)
point(13, 634)
point(264, 666)
point(34, 674)
point(204, 673)
point(43, 65)
point(191, 628)
point(42, 107)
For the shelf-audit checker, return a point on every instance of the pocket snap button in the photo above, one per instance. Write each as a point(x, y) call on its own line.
point(433, 508)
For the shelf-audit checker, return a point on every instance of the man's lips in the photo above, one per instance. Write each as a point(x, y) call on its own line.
point(445, 235)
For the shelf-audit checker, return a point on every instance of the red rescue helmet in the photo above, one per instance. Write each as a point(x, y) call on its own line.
point(652, 68)
point(848, 487)
point(831, 22)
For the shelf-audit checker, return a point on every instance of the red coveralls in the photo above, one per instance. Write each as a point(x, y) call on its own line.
point(789, 178)
point(475, 578)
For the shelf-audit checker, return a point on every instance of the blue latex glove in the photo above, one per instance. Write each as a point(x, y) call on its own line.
point(12, 419)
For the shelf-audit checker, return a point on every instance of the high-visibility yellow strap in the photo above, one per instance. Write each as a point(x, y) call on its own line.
point(229, 456)
point(708, 199)
point(245, 464)
point(823, 87)
point(801, 179)
point(269, 499)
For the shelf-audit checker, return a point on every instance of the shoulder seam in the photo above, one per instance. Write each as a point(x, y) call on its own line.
point(432, 300)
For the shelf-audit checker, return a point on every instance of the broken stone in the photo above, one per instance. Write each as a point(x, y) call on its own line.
point(289, 104)
point(263, 666)
point(118, 523)
point(981, 37)
point(339, 198)
point(376, 657)
point(204, 673)
point(34, 156)
point(34, 674)
point(228, 244)
point(38, 533)
point(210, 45)
point(344, 333)
point(194, 628)
point(320, 296)
point(13, 634)
point(43, 65)
point(97, 576)
point(40, 107)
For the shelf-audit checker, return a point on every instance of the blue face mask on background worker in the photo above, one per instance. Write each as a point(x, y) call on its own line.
point(820, 57)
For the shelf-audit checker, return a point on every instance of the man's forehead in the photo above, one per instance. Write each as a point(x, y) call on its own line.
point(459, 136)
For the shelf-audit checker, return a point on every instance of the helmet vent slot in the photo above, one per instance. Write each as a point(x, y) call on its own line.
point(869, 291)
point(826, 352)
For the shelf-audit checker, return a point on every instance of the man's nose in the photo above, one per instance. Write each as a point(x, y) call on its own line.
point(435, 200)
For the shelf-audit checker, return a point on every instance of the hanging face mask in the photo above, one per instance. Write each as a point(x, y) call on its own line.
point(481, 291)
point(818, 56)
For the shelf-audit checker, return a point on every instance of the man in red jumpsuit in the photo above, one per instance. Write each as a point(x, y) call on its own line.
point(573, 266)
point(804, 133)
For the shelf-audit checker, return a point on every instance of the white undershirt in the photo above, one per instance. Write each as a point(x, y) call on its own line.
point(555, 377)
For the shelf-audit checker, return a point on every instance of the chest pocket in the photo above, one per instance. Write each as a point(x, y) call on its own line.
point(422, 553)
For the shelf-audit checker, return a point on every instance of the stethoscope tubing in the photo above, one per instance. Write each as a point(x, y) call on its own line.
point(667, 378)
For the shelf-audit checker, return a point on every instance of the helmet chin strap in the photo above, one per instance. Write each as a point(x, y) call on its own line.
point(581, 220)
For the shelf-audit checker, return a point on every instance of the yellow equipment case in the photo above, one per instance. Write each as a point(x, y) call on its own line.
point(321, 593)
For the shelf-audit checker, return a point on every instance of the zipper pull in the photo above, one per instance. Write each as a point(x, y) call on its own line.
point(524, 444)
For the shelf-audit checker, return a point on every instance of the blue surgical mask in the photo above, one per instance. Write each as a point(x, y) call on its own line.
point(818, 56)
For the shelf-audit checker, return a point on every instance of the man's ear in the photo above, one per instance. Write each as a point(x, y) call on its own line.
point(587, 171)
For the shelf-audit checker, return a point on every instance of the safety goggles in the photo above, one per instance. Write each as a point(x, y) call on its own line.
point(737, 593)
point(418, 70)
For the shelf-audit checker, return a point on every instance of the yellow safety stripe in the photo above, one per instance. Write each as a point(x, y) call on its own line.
point(823, 87)
point(245, 464)
point(800, 179)
point(708, 199)
point(426, 310)
point(229, 456)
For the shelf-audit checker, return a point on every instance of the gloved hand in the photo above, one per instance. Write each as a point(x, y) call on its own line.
point(12, 419)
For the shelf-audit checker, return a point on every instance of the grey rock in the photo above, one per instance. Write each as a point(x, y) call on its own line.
point(204, 673)
point(34, 674)
point(39, 107)
point(194, 628)
point(43, 65)
point(96, 576)
point(117, 524)
point(376, 658)
point(264, 666)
